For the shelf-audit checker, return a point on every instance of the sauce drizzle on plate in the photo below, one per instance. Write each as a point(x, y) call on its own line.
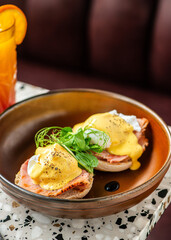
point(112, 186)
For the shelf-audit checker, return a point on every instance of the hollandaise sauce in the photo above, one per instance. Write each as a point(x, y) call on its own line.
point(122, 138)
point(55, 167)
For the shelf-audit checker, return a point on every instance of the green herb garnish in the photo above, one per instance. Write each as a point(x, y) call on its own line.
point(78, 144)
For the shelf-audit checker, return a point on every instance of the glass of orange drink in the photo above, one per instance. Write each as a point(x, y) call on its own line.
point(13, 25)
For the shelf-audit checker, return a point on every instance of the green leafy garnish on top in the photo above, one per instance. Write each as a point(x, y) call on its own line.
point(79, 143)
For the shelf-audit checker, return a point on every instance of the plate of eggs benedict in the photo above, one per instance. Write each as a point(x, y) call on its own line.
point(82, 153)
point(63, 164)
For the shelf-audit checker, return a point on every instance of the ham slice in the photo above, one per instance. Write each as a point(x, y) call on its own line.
point(80, 183)
point(142, 140)
point(111, 158)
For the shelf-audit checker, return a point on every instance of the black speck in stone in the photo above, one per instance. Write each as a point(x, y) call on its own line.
point(68, 225)
point(103, 223)
point(85, 231)
point(153, 201)
point(59, 237)
point(123, 226)
point(121, 239)
point(126, 211)
point(54, 233)
point(27, 211)
point(162, 193)
point(27, 221)
point(7, 219)
point(60, 229)
point(62, 224)
point(150, 216)
point(144, 213)
point(28, 218)
point(131, 219)
point(84, 238)
point(22, 86)
point(119, 221)
point(92, 229)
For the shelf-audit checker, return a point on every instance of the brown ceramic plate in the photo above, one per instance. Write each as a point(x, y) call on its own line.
point(19, 124)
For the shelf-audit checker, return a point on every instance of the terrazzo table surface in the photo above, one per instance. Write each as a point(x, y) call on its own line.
point(18, 222)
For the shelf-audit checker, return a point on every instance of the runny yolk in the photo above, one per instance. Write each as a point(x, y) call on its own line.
point(123, 140)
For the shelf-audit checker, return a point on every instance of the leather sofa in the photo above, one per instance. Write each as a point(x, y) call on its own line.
point(120, 46)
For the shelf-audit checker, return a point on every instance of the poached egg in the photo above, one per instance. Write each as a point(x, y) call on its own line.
point(52, 167)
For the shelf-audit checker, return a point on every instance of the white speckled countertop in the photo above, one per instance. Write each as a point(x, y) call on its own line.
point(18, 222)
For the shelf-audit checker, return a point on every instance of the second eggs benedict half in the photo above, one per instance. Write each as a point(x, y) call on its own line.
point(126, 140)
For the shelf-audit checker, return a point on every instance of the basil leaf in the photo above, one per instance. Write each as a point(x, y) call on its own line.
point(65, 130)
point(80, 141)
point(87, 161)
point(96, 148)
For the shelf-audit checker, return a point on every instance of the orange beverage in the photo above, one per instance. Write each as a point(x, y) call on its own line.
point(8, 62)
point(13, 25)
